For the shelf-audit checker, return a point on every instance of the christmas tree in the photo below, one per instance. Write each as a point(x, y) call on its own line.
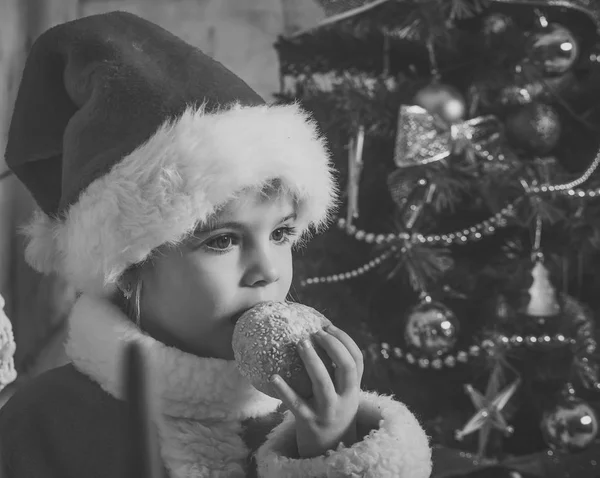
point(464, 258)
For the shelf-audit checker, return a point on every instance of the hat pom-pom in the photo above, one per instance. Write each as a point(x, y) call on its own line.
point(8, 374)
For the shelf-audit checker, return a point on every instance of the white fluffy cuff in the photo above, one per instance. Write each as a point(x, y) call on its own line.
point(396, 447)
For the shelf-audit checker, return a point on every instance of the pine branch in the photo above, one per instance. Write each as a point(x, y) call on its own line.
point(423, 264)
point(431, 19)
point(461, 9)
point(545, 208)
point(411, 29)
point(583, 229)
point(427, 20)
point(453, 179)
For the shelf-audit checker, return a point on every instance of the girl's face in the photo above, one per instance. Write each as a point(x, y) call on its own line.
point(192, 294)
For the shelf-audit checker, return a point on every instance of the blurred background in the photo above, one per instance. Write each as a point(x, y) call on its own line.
point(464, 259)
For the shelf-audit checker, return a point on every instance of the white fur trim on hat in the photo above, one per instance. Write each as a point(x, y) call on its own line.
point(160, 192)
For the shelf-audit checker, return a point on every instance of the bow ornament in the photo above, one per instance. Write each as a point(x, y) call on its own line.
point(423, 138)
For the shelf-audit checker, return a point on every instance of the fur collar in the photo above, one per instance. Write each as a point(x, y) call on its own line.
point(186, 386)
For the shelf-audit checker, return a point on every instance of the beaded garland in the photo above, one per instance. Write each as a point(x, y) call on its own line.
point(583, 336)
point(464, 236)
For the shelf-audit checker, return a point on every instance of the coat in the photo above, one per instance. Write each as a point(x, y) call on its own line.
point(71, 422)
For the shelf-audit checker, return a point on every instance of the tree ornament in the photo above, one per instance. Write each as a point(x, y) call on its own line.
point(542, 294)
point(431, 327)
point(442, 100)
point(406, 192)
point(535, 127)
point(570, 426)
point(355, 165)
point(496, 23)
point(489, 412)
point(403, 187)
point(528, 90)
point(554, 48)
point(414, 212)
point(423, 138)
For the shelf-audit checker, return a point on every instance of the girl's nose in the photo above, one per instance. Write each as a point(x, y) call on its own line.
point(262, 268)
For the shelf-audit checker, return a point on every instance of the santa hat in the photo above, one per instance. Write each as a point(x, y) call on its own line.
point(128, 138)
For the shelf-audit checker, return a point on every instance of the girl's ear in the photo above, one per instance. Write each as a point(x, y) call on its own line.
point(127, 280)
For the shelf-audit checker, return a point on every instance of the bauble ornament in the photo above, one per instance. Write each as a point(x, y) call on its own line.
point(442, 100)
point(554, 48)
point(431, 328)
point(570, 426)
point(265, 340)
point(534, 127)
point(545, 89)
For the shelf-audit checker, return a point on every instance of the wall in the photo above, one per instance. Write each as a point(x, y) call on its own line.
point(238, 33)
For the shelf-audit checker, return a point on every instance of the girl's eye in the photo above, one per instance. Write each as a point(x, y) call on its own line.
point(225, 242)
point(283, 235)
point(221, 242)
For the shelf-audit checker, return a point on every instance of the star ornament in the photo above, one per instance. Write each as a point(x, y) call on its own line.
point(489, 413)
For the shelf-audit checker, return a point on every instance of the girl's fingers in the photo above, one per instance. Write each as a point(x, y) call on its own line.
point(322, 385)
point(354, 350)
point(291, 399)
point(346, 378)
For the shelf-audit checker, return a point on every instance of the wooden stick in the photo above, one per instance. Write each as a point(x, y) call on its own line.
point(144, 454)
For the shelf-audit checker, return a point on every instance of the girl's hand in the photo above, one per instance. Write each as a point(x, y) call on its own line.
point(329, 416)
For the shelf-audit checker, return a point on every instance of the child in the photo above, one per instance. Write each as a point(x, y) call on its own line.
point(171, 196)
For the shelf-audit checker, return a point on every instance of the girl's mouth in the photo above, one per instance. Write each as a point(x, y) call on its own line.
point(235, 317)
